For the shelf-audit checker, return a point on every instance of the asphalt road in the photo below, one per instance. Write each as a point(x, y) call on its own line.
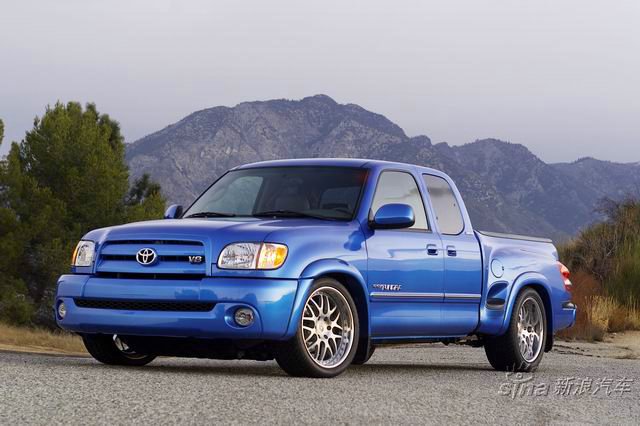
point(409, 385)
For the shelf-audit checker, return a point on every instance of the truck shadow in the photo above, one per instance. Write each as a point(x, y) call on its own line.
point(415, 368)
point(270, 369)
point(265, 369)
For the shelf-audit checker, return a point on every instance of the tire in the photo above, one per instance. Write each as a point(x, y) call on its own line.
point(506, 353)
point(315, 350)
point(105, 349)
point(364, 357)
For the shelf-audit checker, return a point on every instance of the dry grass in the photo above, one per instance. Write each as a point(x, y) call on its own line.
point(39, 339)
point(598, 314)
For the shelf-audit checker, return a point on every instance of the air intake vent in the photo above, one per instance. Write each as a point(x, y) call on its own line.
point(140, 305)
point(150, 276)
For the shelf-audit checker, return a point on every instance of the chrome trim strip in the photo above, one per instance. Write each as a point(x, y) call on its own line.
point(462, 296)
point(408, 295)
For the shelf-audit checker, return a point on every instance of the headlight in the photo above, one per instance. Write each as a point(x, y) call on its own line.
point(252, 256)
point(83, 254)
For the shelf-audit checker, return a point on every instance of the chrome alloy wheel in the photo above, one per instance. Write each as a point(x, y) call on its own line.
point(125, 349)
point(530, 329)
point(327, 327)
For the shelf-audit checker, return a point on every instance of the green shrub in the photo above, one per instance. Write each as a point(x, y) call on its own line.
point(610, 251)
point(624, 283)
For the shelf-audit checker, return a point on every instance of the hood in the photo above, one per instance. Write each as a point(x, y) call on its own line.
point(308, 240)
point(218, 229)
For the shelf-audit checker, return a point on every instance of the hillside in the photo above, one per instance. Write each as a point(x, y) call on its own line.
point(506, 187)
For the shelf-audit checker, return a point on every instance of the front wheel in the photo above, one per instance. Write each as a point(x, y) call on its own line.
point(522, 346)
point(324, 344)
point(111, 350)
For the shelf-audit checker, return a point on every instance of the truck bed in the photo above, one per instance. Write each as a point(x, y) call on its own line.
point(515, 237)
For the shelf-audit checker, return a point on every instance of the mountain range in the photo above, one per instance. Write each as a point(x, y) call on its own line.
point(505, 186)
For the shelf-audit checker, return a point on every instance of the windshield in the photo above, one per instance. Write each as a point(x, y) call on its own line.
point(330, 193)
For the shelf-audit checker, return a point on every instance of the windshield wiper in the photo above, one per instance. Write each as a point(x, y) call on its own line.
point(210, 214)
point(291, 213)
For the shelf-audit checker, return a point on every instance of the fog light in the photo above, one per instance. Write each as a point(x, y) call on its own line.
point(62, 310)
point(244, 317)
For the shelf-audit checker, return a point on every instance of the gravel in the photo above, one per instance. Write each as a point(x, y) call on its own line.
point(400, 385)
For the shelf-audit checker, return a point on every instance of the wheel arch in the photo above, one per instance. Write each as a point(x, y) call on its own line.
point(546, 300)
point(540, 284)
point(347, 275)
point(360, 299)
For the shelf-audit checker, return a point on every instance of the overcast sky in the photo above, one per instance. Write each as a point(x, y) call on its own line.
point(561, 77)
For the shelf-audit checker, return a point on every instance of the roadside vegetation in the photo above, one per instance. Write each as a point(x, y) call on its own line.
point(66, 177)
point(605, 264)
point(36, 339)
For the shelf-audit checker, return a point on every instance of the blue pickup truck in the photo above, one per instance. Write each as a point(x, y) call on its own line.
point(314, 263)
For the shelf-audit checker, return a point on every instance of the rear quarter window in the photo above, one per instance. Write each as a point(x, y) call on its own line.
point(445, 205)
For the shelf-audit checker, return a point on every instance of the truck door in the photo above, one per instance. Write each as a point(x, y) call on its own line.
point(462, 259)
point(405, 266)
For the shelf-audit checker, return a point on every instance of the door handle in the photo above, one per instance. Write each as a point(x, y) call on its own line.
point(451, 251)
point(432, 250)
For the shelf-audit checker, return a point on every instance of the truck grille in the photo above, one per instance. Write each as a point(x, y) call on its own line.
point(117, 259)
point(147, 305)
point(132, 258)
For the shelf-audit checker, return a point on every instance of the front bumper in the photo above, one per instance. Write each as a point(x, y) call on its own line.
point(271, 300)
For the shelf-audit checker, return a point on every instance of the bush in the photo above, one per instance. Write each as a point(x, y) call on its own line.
point(598, 313)
point(587, 294)
point(15, 307)
point(610, 251)
point(624, 283)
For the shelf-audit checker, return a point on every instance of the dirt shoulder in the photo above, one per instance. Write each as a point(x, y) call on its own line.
point(624, 345)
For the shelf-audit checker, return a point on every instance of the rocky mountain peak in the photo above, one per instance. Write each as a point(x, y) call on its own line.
point(505, 186)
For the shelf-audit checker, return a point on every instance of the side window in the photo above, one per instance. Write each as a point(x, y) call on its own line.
point(445, 205)
point(400, 188)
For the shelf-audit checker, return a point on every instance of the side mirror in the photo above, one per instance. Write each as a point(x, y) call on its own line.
point(173, 212)
point(393, 216)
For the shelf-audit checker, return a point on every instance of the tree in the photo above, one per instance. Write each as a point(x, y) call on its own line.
point(68, 176)
point(144, 199)
point(14, 305)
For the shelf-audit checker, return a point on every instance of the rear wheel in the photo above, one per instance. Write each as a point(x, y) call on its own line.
point(112, 350)
point(325, 341)
point(522, 346)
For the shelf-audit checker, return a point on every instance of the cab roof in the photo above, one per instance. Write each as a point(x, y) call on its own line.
point(337, 162)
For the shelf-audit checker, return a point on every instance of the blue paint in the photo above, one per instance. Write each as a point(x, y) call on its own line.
point(393, 216)
point(416, 283)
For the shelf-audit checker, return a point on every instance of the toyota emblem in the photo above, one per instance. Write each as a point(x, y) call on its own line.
point(146, 256)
